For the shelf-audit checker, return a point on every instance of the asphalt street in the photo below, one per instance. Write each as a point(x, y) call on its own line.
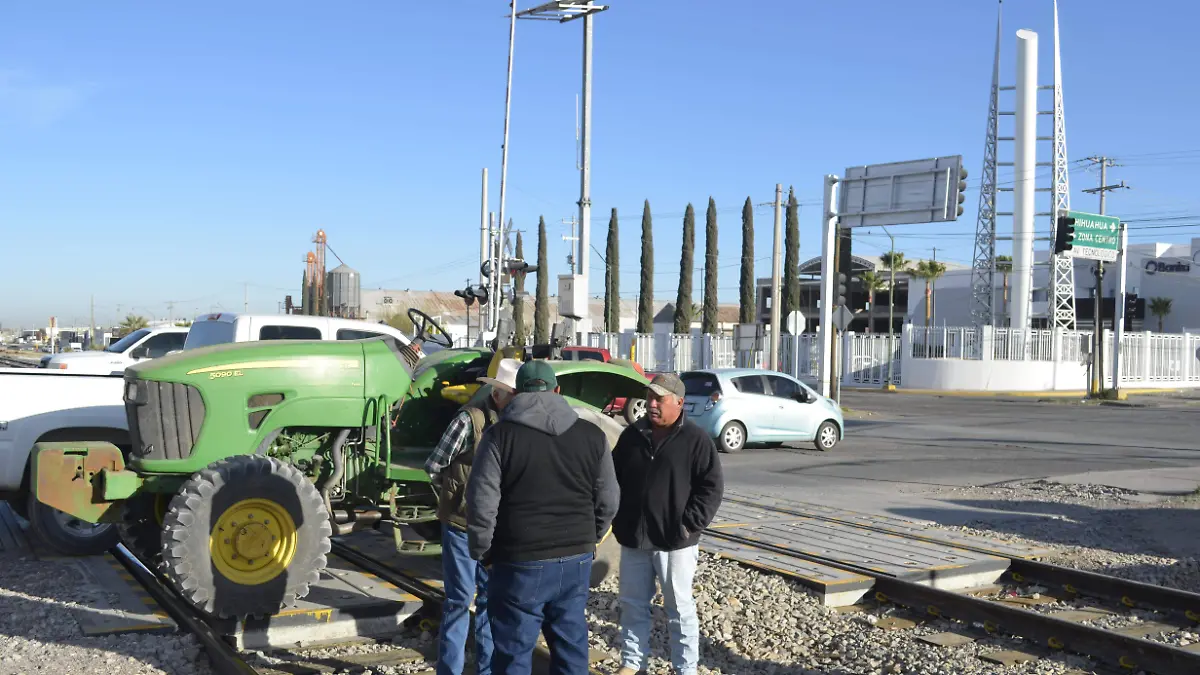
point(901, 446)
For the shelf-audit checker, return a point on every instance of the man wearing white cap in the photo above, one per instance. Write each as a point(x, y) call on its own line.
point(449, 468)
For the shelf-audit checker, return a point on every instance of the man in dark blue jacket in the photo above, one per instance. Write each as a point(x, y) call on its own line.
point(670, 477)
point(541, 494)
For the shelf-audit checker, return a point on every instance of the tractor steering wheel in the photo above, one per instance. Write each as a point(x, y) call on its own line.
point(422, 322)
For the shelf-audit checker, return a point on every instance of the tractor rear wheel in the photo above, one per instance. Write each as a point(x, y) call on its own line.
point(246, 536)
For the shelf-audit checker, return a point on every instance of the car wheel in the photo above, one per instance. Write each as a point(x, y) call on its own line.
point(827, 435)
point(635, 409)
point(732, 438)
point(68, 535)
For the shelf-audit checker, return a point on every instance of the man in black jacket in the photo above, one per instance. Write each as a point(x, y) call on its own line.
point(541, 494)
point(671, 485)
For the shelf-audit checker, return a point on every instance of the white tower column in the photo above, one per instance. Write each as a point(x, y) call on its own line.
point(1024, 185)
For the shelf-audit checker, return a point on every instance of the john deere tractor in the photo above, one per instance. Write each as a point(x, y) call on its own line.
point(247, 458)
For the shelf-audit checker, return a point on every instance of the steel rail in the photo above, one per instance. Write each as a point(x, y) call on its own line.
point(1057, 634)
point(225, 658)
point(1128, 592)
point(420, 589)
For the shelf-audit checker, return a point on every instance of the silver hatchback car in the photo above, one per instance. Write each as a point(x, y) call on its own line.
point(737, 406)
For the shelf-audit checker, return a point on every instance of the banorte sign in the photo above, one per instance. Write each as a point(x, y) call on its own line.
point(1156, 266)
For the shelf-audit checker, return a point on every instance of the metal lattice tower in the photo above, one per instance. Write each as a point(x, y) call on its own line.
point(983, 294)
point(1062, 272)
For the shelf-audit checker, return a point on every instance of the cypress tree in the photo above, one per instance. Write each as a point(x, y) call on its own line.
point(645, 323)
point(541, 304)
point(612, 282)
point(791, 260)
point(746, 309)
point(303, 293)
point(709, 325)
point(520, 332)
point(683, 299)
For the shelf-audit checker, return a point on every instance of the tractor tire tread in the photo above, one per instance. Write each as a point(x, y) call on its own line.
point(191, 507)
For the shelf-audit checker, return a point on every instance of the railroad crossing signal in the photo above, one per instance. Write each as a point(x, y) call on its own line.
point(962, 188)
point(839, 295)
point(1064, 234)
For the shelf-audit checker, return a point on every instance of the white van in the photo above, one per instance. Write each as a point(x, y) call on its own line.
point(225, 327)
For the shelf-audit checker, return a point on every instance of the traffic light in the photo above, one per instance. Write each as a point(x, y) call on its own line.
point(1064, 234)
point(839, 299)
point(962, 188)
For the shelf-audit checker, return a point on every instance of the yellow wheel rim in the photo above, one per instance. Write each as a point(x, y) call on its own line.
point(253, 542)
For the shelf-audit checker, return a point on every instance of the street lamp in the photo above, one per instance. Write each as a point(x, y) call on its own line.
point(563, 11)
point(890, 385)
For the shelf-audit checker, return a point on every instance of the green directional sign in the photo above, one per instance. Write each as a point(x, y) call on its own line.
point(1096, 237)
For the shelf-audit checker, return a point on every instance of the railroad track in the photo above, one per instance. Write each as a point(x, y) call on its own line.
point(227, 659)
point(1002, 615)
point(10, 362)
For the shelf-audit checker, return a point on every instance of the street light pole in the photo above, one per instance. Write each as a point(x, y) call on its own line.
point(890, 384)
point(496, 274)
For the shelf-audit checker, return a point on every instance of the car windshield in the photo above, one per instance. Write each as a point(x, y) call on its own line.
point(127, 341)
point(700, 384)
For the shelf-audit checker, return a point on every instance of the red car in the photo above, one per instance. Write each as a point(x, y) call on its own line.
point(631, 410)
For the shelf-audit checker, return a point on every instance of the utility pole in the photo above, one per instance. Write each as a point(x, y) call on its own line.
point(512, 36)
point(776, 279)
point(572, 239)
point(933, 295)
point(892, 355)
point(1098, 328)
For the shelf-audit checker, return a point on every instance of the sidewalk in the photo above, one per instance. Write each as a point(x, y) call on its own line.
point(1072, 394)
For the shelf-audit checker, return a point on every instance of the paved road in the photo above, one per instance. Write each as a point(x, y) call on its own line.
point(910, 444)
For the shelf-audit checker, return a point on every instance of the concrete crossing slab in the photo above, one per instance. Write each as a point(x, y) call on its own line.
point(345, 605)
point(123, 606)
point(381, 546)
point(782, 507)
point(833, 587)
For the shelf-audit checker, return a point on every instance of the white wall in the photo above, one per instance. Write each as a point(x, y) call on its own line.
point(967, 375)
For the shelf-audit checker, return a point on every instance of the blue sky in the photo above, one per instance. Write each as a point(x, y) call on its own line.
point(154, 152)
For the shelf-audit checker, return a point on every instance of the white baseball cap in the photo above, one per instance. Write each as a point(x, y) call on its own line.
point(506, 375)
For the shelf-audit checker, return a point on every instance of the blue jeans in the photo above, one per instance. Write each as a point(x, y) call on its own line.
point(674, 570)
point(464, 580)
point(543, 595)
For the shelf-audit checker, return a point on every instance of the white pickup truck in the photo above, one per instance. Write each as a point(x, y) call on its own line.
point(55, 405)
point(43, 405)
point(141, 344)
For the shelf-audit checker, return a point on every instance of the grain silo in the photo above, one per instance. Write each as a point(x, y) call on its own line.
point(344, 289)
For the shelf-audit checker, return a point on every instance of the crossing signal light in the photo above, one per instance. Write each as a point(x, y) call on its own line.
point(1064, 234)
point(962, 188)
point(840, 291)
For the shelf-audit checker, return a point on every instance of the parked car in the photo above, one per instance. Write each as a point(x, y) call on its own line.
point(141, 344)
point(749, 405)
point(632, 409)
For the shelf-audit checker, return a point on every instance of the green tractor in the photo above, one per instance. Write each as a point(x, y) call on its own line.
point(247, 458)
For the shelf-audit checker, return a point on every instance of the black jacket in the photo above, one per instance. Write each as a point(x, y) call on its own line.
point(542, 484)
point(669, 494)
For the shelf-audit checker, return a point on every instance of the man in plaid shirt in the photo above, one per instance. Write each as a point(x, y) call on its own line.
point(449, 468)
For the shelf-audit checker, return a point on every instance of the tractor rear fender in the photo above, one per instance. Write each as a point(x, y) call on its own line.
point(86, 479)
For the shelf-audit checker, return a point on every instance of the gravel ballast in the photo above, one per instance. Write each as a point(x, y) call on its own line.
point(41, 635)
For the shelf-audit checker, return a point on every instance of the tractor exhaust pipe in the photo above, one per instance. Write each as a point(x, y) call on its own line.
point(339, 470)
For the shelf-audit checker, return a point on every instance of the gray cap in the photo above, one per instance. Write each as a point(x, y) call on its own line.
point(668, 384)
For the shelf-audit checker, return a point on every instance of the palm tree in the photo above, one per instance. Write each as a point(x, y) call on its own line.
point(929, 271)
point(1004, 266)
point(893, 261)
point(872, 281)
point(133, 322)
point(1160, 307)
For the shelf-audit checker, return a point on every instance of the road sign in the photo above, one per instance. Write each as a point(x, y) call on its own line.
point(1096, 237)
point(919, 191)
point(795, 322)
point(842, 316)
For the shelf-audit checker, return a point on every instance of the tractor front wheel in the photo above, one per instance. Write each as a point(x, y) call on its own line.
point(246, 536)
